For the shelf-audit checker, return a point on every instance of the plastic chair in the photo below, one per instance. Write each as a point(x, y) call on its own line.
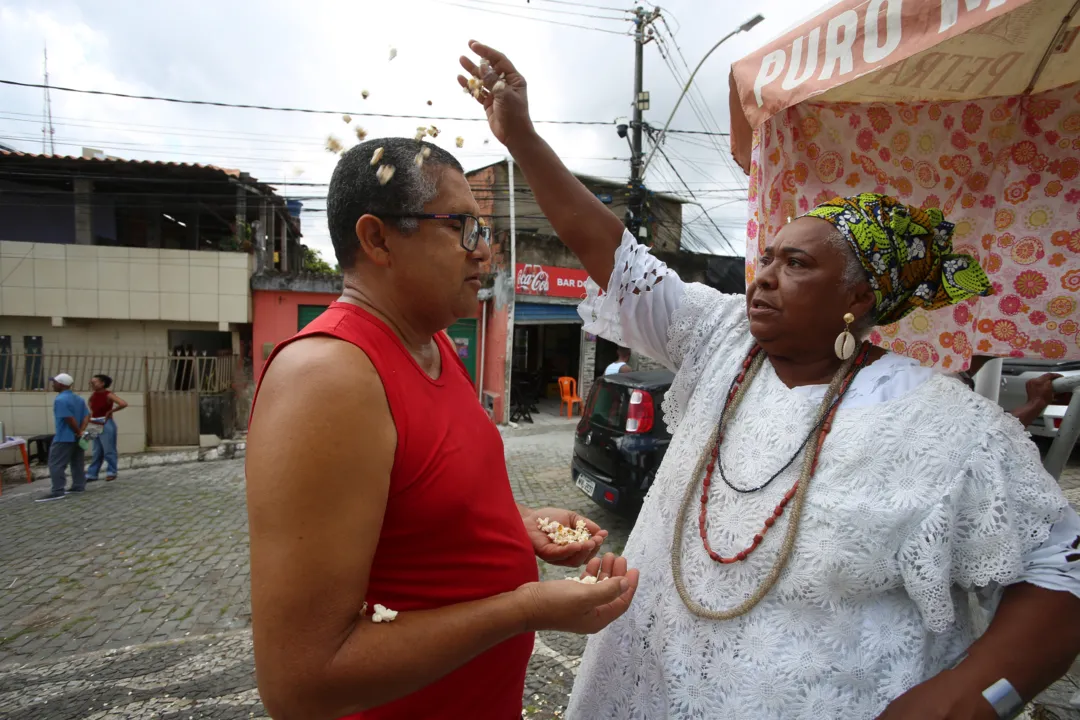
point(568, 395)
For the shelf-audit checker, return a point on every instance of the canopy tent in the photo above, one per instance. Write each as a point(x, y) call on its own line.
point(972, 106)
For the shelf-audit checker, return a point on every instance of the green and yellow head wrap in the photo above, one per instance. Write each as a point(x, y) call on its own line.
point(907, 253)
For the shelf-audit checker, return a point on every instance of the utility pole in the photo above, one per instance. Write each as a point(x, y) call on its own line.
point(635, 215)
point(48, 133)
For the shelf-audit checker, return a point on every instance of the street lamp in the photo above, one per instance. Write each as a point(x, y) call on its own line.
point(745, 27)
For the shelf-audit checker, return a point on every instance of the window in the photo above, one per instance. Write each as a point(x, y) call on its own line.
point(35, 365)
point(306, 313)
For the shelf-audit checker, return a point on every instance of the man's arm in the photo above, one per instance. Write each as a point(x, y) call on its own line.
point(316, 499)
point(1040, 394)
point(626, 368)
point(76, 427)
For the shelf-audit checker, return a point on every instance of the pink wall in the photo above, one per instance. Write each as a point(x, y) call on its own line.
point(275, 318)
point(495, 357)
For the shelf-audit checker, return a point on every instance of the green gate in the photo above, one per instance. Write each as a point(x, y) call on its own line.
point(463, 333)
point(307, 313)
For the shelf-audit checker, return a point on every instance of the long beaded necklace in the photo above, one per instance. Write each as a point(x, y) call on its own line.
point(709, 460)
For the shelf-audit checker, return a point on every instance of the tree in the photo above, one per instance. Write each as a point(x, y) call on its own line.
point(313, 263)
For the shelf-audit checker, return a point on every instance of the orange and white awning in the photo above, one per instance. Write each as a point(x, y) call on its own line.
point(903, 51)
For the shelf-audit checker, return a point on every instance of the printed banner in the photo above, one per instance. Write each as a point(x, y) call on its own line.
point(551, 281)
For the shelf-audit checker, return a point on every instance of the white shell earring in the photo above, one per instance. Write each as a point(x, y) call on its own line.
point(845, 341)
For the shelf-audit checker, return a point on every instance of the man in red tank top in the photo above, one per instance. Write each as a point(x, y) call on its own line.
point(376, 482)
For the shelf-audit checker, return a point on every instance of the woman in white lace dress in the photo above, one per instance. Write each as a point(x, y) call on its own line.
point(855, 502)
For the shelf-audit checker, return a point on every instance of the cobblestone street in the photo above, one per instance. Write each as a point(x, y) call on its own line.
point(132, 600)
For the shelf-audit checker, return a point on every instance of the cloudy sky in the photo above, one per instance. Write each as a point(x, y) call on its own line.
point(322, 54)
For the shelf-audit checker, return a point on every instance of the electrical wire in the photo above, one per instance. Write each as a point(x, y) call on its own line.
point(244, 106)
point(532, 8)
point(585, 5)
point(532, 19)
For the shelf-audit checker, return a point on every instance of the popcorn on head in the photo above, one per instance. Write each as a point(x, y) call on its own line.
point(376, 156)
point(384, 174)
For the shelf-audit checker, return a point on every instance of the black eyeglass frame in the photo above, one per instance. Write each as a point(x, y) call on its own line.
point(482, 230)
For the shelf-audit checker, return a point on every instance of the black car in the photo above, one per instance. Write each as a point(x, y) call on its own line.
point(621, 439)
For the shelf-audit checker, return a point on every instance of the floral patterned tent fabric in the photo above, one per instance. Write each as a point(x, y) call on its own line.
point(1004, 170)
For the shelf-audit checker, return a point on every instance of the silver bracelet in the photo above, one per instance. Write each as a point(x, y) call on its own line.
point(1003, 697)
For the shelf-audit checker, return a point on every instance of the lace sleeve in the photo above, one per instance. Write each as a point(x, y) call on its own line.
point(995, 514)
point(635, 310)
point(645, 307)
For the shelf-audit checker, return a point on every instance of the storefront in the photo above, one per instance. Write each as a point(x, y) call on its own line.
point(548, 342)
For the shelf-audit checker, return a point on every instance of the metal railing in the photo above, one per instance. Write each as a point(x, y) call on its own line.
point(137, 372)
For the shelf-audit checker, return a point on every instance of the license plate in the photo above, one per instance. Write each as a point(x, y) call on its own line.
point(586, 485)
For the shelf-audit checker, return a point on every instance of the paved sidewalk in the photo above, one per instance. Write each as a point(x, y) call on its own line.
point(131, 602)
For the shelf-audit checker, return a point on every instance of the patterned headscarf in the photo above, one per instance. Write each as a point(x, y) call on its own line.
point(907, 253)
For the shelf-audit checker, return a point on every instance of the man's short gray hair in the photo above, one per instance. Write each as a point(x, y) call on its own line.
point(355, 190)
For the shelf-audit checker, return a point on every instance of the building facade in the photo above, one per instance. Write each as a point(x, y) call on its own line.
point(138, 270)
point(531, 323)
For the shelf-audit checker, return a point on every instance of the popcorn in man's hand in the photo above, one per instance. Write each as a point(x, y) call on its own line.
point(562, 535)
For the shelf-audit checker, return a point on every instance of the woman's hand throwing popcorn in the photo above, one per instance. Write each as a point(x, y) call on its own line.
point(504, 95)
point(578, 607)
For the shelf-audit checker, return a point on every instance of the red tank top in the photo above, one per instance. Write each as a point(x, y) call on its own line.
point(452, 532)
point(100, 403)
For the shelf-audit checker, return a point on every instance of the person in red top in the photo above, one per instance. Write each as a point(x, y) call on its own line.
point(103, 405)
point(375, 478)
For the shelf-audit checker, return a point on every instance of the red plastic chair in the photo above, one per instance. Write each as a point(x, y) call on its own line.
point(568, 395)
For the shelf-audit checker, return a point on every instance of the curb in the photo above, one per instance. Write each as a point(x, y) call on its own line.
point(227, 450)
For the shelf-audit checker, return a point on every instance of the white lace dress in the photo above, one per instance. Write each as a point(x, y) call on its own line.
point(923, 490)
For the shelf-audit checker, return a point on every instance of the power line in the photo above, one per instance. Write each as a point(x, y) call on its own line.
point(244, 106)
point(533, 8)
point(585, 5)
point(533, 19)
point(311, 111)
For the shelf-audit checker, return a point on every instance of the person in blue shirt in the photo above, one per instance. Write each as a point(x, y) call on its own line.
point(71, 416)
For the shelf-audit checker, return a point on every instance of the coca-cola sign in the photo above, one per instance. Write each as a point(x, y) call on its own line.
point(550, 281)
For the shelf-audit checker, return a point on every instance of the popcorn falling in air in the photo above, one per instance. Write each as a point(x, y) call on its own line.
point(384, 173)
point(562, 535)
point(333, 145)
point(433, 131)
point(364, 94)
point(361, 133)
point(429, 103)
point(393, 53)
point(347, 118)
point(376, 156)
point(383, 614)
point(459, 141)
point(421, 133)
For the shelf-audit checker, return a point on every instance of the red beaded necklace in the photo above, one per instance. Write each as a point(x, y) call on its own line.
point(825, 427)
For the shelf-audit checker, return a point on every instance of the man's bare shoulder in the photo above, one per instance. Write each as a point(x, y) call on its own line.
point(321, 360)
point(324, 385)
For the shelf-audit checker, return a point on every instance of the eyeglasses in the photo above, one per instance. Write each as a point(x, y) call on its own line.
point(472, 227)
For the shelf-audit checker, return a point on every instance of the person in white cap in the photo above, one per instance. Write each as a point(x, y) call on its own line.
point(71, 416)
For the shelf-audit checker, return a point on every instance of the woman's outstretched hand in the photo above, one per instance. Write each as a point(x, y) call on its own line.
point(503, 94)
